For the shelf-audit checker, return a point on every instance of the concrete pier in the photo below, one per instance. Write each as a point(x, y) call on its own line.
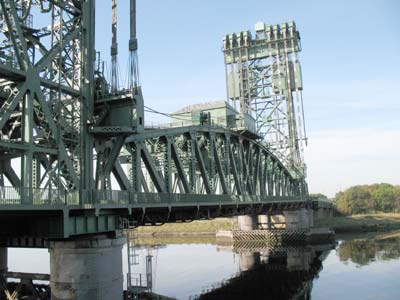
point(247, 260)
point(248, 222)
point(299, 219)
point(264, 221)
point(88, 268)
point(278, 221)
point(3, 260)
point(323, 213)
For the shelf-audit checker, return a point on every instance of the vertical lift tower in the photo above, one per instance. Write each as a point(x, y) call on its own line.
point(264, 81)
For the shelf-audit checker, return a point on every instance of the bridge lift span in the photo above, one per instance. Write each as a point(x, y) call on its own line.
point(67, 132)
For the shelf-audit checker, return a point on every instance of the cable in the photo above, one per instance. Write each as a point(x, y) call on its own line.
point(151, 110)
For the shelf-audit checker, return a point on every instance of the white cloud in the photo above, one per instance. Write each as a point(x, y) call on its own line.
point(354, 94)
point(338, 159)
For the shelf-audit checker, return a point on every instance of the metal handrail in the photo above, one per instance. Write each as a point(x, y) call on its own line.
point(40, 196)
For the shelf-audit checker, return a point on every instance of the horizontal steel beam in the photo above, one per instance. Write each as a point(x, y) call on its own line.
point(18, 76)
point(26, 147)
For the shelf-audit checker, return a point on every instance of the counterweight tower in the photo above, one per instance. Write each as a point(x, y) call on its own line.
point(263, 77)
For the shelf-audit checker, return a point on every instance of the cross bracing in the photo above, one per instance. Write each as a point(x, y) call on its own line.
point(206, 160)
point(74, 144)
point(43, 95)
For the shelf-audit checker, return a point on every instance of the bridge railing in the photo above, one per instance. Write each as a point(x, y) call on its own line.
point(111, 197)
point(36, 196)
point(134, 198)
point(10, 195)
point(40, 196)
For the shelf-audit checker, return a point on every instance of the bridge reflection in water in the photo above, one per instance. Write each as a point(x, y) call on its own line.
point(265, 273)
point(271, 273)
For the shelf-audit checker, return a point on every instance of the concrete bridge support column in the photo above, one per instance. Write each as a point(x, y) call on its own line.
point(278, 221)
point(3, 260)
point(299, 219)
point(264, 221)
point(248, 222)
point(322, 213)
point(86, 269)
point(247, 260)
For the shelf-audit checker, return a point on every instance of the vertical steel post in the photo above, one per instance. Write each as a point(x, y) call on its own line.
point(87, 98)
point(27, 158)
point(133, 46)
point(114, 49)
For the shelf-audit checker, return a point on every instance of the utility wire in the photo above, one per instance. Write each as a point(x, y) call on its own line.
point(151, 110)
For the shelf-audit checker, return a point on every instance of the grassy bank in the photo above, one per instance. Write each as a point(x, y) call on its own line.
point(362, 223)
point(209, 227)
point(347, 224)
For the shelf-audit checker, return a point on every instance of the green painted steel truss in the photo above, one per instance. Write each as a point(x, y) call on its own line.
point(207, 161)
point(74, 155)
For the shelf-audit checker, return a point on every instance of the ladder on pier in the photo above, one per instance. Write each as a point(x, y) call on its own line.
point(137, 282)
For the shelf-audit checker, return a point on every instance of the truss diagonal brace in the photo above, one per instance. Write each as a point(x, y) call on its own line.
point(119, 142)
point(202, 166)
point(63, 152)
point(235, 172)
point(49, 56)
point(10, 174)
point(155, 176)
point(18, 39)
point(179, 168)
point(14, 102)
point(121, 177)
point(220, 171)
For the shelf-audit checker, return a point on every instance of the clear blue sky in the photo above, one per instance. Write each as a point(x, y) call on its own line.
point(351, 72)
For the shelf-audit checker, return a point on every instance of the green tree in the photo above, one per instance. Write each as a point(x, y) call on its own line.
point(341, 203)
point(385, 197)
point(397, 198)
point(359, 199)
point(318, 196)
point(368, 198)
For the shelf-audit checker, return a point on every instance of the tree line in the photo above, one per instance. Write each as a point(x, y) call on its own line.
point(361, 199)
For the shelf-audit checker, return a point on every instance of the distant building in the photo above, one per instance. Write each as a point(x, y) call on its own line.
point(216, 113)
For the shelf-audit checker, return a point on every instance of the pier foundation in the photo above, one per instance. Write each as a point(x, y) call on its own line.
point(299, 219)
point(264, 221)
point(323, 213)
point(3, 260)
point(86, 268)
point(248, 222)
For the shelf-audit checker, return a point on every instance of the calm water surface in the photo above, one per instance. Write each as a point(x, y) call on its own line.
point(353, 269)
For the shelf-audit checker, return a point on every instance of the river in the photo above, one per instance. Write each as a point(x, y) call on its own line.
point(354, 268)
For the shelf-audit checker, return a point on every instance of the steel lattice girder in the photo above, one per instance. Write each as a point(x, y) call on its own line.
point(48, 105)
point(47, 91)
point(205, 160)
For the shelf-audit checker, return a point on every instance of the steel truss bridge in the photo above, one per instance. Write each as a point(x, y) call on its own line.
point(67, 133)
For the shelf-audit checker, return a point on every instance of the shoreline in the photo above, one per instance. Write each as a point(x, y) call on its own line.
point(341, 225)
point(378, 222)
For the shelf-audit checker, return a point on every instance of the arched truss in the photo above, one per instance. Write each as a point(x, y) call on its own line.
point(203, 161)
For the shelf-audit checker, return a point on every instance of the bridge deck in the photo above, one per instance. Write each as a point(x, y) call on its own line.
point(63, 216)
